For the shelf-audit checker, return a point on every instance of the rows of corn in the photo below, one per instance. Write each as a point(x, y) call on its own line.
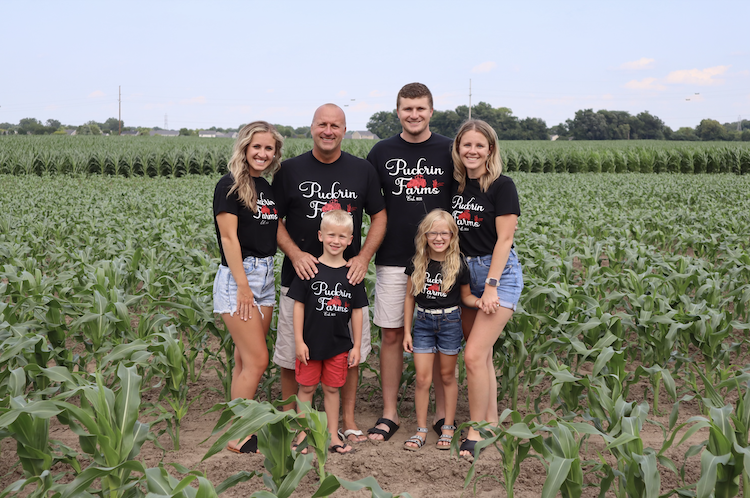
point(106, 322)
point(158, 156)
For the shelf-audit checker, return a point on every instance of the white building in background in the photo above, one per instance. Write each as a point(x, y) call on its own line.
point(164, 133)
point(361, 135)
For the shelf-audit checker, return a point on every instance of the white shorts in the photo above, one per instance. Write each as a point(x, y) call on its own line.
point(284, 352)
point(390, 294)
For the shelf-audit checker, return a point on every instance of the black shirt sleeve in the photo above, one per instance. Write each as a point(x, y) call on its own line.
point(279, 192)
point(222, 203)
point(375, 201)
point(297, 290)
point(506, 198)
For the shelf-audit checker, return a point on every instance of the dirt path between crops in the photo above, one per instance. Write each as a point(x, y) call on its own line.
point(428, 472)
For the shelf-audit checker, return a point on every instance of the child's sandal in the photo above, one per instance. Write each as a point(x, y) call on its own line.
point(445, 438)
point(416, 439)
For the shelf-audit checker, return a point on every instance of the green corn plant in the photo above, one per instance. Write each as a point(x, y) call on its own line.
point(721, 464)
point(109, 432)
point(512, 440)
point(638, 475)
point(170, 363)
point(160, 483)
point(28, 423)
point(566, 388)
point(276, 431)
point(561, 454)
point(657, 375)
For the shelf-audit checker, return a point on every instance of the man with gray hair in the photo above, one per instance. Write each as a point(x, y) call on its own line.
point(305, 187)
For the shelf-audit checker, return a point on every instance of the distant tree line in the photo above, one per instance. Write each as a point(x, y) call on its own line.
point(586, 125)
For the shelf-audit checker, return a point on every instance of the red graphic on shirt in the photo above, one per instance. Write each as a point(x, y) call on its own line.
point(466, 215)
point(274, 211)
point(477, 219)
point(331, 205)
point(350, 208)
point(437, 184)
point(265, 210)
point(434, 287)
point(346, 304)
point(417, 181)
point(334, 301)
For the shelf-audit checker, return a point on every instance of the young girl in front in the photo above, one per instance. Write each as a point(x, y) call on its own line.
point(438, 284)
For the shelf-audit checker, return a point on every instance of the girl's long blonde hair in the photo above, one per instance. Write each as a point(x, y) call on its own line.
point(494, 162)
point(243, 182)
point(449, 267)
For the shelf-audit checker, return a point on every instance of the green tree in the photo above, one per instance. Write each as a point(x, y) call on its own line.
point(384, 124)
point(302, 132)
point(685, 133)
point(286, 131)
point(534, 129)
point(447, 123)
point(90, 128)
point(745, 137)
point(648, 126)
point(111, 125)
point(588, 125)
point(560, 130)
point(710, 130)
point(31, 126)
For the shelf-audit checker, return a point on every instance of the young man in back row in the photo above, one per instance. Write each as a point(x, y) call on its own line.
point(416, 174)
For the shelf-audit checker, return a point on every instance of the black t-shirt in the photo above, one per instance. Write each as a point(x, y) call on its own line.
point(415, 178)
point(255, 231)
point(475, 212)
point(329, 299)
point(431, 296)
point(305, 188)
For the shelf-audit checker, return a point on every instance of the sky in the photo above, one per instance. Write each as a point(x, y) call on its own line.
point(224, 63)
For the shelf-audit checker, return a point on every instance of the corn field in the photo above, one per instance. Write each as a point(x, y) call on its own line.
point(106, 322)
point(175, 157)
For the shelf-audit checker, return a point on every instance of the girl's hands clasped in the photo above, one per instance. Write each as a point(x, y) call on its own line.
point(489, 303)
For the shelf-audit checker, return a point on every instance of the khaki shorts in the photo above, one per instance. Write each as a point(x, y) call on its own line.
point(390, 294)
point(284, 352)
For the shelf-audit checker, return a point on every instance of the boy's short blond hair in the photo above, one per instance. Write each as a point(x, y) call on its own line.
point(338, 218)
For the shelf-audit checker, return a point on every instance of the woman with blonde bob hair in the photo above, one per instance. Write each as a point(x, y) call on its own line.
point(486, 209)
point(246, 219)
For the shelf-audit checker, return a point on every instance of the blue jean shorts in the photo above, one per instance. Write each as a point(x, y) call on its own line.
point(511, 282)
point(260, 276)
point(437, 331)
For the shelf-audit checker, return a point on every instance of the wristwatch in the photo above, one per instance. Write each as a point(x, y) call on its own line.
point(493, 282)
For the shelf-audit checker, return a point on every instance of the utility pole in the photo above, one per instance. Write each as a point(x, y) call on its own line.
point(469, 98)
point(739, 123)
point(166, 123)
point(119, 110)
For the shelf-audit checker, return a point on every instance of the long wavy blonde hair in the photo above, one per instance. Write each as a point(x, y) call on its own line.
point(494, 162)
point(449, 267)
point(243, 182)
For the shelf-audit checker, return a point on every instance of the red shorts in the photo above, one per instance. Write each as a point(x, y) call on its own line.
point(331, 372)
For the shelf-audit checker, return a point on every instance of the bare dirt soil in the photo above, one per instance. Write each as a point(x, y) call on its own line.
point(428, 472)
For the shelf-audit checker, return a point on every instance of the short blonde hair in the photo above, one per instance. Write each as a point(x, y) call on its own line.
point(339, 218)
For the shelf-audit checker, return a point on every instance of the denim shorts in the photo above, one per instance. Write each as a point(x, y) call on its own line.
point(260, 276)
point(437, 332)
point(511, 282)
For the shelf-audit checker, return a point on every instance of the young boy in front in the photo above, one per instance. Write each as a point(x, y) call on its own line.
point(322, 310)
